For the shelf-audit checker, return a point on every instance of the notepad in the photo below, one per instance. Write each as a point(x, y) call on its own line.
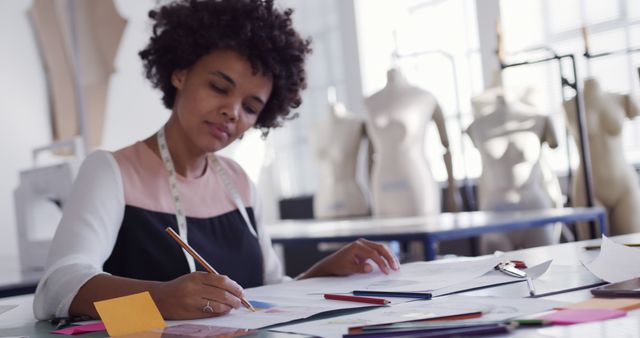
point(130, 314)
point(624, 304)
point(575, 316)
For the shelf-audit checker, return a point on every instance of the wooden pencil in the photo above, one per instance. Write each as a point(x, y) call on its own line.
point(201, 260)
point(597, 247)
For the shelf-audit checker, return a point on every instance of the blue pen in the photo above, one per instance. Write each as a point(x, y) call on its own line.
point(420, 295)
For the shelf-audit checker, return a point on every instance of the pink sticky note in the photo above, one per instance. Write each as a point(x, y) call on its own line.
point(86, 328)
point(575, 316)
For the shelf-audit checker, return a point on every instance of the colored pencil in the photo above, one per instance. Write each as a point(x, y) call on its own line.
point(420, 295)
point(462, 331)
point(358, 299)
point(201, 260)
point(532, 322)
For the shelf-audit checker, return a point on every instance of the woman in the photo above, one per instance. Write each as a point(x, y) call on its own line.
point(223, 67)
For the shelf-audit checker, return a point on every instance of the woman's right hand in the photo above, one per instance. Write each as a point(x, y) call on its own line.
point(187, 296)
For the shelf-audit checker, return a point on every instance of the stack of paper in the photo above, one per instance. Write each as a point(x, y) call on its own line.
point(492, 308)
point(302, 299)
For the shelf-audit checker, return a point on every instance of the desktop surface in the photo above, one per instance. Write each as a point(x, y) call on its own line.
point(567, 274)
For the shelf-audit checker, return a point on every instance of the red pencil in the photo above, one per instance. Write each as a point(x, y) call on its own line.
point(358, 299)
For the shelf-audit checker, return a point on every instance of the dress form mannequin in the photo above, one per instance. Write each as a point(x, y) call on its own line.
point(486, 103)
point(337, 142)
point(401, 180)
point(509, 140)
point(615, 183)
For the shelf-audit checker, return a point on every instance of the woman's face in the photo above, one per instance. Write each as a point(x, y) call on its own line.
point(218, 99)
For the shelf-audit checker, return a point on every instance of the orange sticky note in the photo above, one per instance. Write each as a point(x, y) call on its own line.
point(130, 314)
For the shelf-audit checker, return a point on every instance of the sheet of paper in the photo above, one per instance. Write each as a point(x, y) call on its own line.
point(274, 310)
point(493, 277)
point(129, 314)
point(418, 276)
point(302, 299)
point(493, 309)
point(616, 262)
point(192, 331)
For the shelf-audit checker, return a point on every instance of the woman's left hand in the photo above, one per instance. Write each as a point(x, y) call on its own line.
point(354, 258)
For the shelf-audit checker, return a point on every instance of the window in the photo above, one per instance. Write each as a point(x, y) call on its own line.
point(418, 28)
point(557, 24)
point(286, 166)
point(449, 26)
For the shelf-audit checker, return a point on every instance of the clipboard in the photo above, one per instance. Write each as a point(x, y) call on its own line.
point(628, 288)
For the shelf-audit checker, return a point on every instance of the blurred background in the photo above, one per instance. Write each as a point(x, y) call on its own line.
point(446, 47)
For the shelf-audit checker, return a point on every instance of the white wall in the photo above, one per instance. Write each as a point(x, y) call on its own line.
point(134, 110)
point(23, 109)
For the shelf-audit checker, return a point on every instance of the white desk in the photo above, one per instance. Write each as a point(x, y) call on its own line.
point(430, 229)
point(569, 272)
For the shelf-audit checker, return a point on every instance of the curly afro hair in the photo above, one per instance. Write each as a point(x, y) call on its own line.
point(186, 30)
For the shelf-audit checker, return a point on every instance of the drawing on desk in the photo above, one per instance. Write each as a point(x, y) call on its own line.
point(284, 309)
point(505, 309)
point(200, 331)
point(390, 283)
point(349, 321)
point(404, 315)
point(5, 308)
point(260, 305)
point(480, 305)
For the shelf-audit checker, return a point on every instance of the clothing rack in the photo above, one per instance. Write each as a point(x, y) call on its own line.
point(580, 116)
point(467, 189)
point(589, 55)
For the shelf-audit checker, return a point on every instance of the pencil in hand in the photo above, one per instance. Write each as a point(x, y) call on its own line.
point(201, 260)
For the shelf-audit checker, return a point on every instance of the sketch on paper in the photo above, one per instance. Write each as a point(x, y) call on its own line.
point(390, 283)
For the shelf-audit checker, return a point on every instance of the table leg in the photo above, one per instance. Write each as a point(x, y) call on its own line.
point(430, 248)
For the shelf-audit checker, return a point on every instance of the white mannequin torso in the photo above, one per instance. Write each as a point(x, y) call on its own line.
point(509, 140)
point(509, 137)
point(615, 183)
point(337, 142)
point(401, 180)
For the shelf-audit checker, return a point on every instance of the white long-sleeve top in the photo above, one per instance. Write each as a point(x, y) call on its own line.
point(114, 219)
